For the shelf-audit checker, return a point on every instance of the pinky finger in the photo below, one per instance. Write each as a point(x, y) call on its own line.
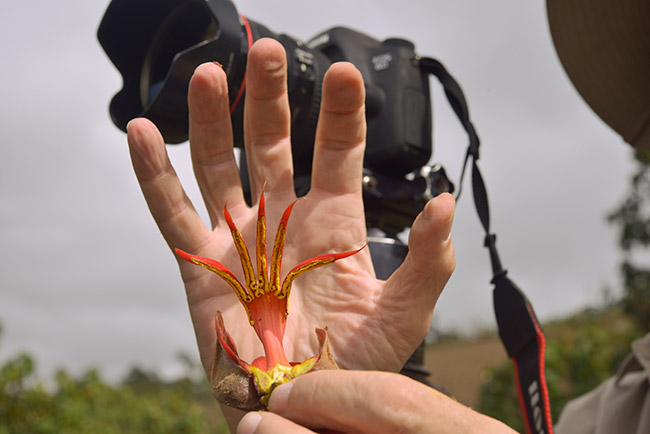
point(263, 422)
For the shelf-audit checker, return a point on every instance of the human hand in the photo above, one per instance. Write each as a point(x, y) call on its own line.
point(372, 324)
point(364, 402)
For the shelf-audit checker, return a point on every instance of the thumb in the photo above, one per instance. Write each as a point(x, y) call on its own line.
point(431, 251)
point(412, 291)
point(354, 401)
point(369, 402)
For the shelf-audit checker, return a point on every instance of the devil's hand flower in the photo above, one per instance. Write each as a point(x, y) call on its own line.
point(235, 382)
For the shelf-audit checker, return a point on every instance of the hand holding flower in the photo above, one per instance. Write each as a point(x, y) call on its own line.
point(372, 324)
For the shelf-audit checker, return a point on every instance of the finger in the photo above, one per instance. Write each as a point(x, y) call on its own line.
point(416, 285)
point(341, 132)
point(264, 422)
point(430, 239)
point(211, 140)
point(267, 120)
point(355, 401)
point(170, 207)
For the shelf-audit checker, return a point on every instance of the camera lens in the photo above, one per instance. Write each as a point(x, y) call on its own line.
point(188, 25)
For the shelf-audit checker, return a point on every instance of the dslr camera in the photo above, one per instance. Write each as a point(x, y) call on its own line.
point(157, 44)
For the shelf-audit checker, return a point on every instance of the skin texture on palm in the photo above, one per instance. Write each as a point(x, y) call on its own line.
point(373, 324)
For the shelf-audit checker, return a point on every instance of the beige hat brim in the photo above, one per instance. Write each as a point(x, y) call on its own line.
point(604, 46)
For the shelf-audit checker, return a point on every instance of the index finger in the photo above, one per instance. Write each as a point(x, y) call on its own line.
point(179, 223)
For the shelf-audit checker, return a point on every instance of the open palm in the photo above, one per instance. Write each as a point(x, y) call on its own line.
point(372, 324)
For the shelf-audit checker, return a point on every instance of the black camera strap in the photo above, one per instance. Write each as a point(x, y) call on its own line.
point(519, 329)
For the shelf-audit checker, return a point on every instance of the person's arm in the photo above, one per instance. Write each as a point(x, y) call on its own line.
point(365, 402)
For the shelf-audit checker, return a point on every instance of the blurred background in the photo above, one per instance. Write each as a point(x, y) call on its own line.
point(87, 281)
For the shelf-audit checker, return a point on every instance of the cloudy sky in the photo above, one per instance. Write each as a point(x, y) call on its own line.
point(85, 278)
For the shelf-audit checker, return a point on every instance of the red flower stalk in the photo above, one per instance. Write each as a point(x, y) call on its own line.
point(266, 303)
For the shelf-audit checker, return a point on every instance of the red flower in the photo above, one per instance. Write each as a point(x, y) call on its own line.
point(266, 303)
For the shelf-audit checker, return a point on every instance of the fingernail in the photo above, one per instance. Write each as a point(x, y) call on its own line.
point(272, 65)
point(248, 424)
point(280, 398)
point(132, 135)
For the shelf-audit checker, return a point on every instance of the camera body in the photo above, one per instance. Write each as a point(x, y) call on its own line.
point(157, 44)
point(398, 103)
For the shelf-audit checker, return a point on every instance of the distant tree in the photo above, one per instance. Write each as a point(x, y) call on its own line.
point(632, 218)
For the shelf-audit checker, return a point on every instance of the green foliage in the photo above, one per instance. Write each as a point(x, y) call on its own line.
point(581, 353)
point(141, 404)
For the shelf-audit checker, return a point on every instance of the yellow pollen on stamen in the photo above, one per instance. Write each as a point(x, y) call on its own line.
point(262, 270)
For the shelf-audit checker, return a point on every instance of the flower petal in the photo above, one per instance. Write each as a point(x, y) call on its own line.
point(278, 246)
point(246, 263)
point(262, 272)
point(226, 342)
point(222, 271)
point(310, 264)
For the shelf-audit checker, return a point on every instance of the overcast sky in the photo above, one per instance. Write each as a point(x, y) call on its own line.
point(85, 278)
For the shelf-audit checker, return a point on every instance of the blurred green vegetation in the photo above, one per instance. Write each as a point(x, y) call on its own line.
point(581, 352)
point(141, 403)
